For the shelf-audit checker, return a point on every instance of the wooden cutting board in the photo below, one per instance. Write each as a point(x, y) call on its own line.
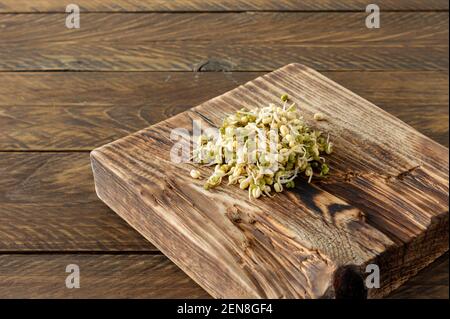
point(386, 201)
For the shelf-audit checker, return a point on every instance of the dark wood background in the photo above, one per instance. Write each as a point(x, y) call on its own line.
point(133, 63)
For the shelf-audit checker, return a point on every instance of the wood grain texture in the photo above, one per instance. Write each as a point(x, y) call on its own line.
point(28, 224)
point(395, 89)
point(63, 117)
point(81, 111)
point(182, 56)
point(202, 41)
point(378, 205)
point(430, 283)
point(101, 276)
point(216, 5)
point(145, 276)
point(48, 203)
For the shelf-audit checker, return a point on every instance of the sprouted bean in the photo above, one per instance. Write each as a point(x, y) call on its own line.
point(319, 116)
point(264, 149)
point(195, 174)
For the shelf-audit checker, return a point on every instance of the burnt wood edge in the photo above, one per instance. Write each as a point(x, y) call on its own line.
point(348, 283)
point(397, 264)
point(400, 263)
point(411, 257)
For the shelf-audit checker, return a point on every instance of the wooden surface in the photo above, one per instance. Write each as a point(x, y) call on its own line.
point(205, 41)
point(376, 207)
point(49, 120)
point(103, 276)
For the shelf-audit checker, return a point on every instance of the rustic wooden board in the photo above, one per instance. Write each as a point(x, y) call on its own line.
point(386, 202)
point(68, 111)
point(189, 56)
point(217, 5)
point(205, 41)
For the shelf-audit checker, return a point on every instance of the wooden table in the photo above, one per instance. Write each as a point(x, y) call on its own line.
point(133, 63)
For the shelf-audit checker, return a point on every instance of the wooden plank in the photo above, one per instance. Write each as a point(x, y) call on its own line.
point(50, 89)
point(182, 56)
point(101, 276)
point(377, 207)
point(145, 276)
point(202, 41)
point(48, 203)
point(408, 28)
point(131, 88)
point(80, 111)
point(217, 5)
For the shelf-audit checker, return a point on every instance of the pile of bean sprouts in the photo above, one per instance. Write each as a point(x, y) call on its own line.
point(263, 150)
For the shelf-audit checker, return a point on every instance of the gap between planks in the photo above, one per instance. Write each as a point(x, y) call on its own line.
point(80, 252)
point(231, 11)
point(214, 71)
